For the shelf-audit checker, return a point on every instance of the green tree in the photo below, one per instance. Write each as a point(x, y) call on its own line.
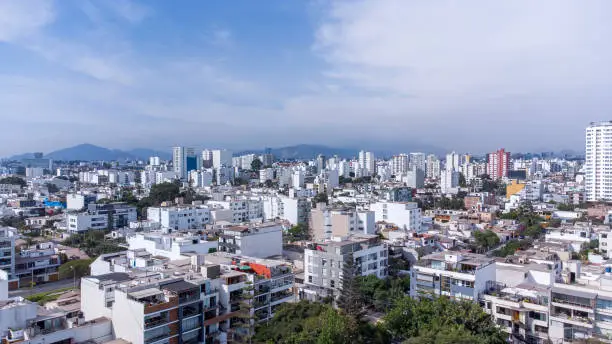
point(163, 192)
point(321, 198)
point(14, 180)
point(486, 239)
point(52, 188)
point(350, 300)
point(75, 268)
point(256, 165)
point(462, 182)
point(417, 320)
point(297, 233)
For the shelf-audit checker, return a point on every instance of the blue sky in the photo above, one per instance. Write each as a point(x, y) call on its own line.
point(248, 74)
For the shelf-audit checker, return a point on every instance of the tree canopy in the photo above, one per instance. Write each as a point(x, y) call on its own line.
point(441, 320)
point(14, 181)
point(256, 164)
point(486, 240)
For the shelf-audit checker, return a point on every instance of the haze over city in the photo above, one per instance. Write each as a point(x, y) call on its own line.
point(125, 74)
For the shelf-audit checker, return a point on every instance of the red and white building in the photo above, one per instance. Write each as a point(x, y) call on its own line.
point(498, 164)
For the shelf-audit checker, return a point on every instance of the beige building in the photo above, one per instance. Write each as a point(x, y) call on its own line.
point(326, 222)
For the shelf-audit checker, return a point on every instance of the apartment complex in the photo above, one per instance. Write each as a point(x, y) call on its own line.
point(185, 159)
point(454, 274)
point(597, 168)
point(405, 215)
point(181, 217)
point(101, 216)
point(192, 300)
point(325, 261)
point(327, 222)
point(498, 164)
point(7, 254)
point(255, 240)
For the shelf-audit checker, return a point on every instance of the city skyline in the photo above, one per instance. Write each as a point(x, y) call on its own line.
point(134, 74)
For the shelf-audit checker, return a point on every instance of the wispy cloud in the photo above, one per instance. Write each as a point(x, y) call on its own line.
point(19, 20)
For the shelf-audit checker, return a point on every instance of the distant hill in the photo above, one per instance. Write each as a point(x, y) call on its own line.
point(89, 152)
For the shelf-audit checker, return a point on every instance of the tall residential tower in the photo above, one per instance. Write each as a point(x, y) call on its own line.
point(598, 164)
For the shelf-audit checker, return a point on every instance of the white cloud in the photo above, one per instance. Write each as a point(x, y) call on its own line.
point(454, 47)
point(20, 19)
point(453, 67)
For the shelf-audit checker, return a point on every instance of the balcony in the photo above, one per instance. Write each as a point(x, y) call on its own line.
point(574, 320)
point(156, 322)
point(262, 290)
point(281, 296)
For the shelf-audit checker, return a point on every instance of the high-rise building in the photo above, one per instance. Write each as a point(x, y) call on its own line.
point(367, 162)
point(399, 164)
point(598, 171)
point(321, 162)
point(433, 167)
point(207, 158)
point(417, 160)
point(452, 162)
point(185, 159)
point(498, 164)
point(221, 158)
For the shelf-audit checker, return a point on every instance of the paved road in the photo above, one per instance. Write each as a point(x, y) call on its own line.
point(42, 288)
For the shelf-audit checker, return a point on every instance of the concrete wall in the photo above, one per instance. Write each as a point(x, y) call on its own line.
point(263, 244)
point(93, 301)
point(128, 319)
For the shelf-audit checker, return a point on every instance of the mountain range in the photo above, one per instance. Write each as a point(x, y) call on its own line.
point(89, 152)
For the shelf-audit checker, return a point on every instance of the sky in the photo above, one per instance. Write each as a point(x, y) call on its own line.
point(470, 76)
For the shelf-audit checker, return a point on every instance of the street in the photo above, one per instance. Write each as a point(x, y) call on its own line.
point(67, 283)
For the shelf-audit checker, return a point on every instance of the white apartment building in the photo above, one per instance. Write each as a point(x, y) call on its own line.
point(184, 159)
point(180, 217)
point(34, 172)
point(166, 177)
point(329, 179)
point(7, 252)
point(344, 169)
point(414, 178)
point(79, 201)
point(418, 160)
point(405, 215)
point(266, 174)
point(399, 164)
point(598, 164)
point(449, 181)
point(154, 161)
point(258, 240)
point(367, 163)
point(295, 210)
point(201, 178)
point(432, 167)
point(239, 210)
point(97, 216)
point(172, 246)
point(222, 158)
point(324, 262)
point(297, 179)
point(224, 175)
point(453, 161)
point(454, 274)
